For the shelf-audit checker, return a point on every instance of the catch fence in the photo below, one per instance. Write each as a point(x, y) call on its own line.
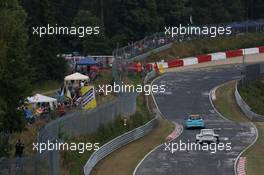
point(151, 43)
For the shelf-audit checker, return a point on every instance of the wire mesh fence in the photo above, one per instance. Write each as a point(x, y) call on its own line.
point(38, 164)
point(73, 124)
point(251, 74)
point(161, 39)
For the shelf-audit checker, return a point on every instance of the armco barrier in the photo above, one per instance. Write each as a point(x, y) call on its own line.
point(175, 63)
point(163, 64)
point(251, 51)
point(218, 56)
point(234, 53)
point(246, 109)
point(190, 61)
point(123, 139)
point(213, 57)
point(118, 142)
point(204, 58)
point(261, 49)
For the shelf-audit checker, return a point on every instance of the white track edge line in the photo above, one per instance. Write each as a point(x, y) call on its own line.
point(135, 170)
point(255, 128)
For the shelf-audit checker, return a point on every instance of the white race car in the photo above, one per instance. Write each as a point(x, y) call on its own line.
point(207, 136)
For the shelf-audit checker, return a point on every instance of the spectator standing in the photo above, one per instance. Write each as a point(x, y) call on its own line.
point(19, 152)
point(19, 148)
point(82, 84)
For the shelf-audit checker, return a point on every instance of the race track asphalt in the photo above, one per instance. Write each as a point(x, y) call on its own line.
point(187, 93)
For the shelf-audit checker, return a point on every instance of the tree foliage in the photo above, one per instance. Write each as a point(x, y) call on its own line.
point(15, 71)
point(122, 21)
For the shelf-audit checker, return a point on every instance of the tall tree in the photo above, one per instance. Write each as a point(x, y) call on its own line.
point(44, 50)
point(235, 9)
point(175, 11)
point(15, 74)
point(257, 7)
point(90, 44)
point(216, 11)
point(133, 19)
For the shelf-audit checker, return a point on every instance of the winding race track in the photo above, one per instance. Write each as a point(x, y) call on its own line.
point(187, 92)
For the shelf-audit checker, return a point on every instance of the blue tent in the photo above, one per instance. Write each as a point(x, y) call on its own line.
point(86, 62)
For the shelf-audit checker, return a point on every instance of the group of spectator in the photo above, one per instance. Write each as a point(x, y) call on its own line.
point(32, 114)
point(142, 46)
point(74, 96)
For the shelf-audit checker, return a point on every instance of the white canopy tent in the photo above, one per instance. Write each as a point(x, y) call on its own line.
point(38, 98)
point(76, 76)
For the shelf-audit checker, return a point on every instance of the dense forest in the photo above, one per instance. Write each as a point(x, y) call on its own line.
point(26, 59)
point(121, 21)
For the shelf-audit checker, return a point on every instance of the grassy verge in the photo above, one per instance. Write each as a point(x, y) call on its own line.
point(30, 133)
point(254, 96)
point(133, 152)
point(225, 103)
point(133, 79)
point(28, 137)
point(204, 46)
point(73, 162)
point(104, 78)
point(47, 88)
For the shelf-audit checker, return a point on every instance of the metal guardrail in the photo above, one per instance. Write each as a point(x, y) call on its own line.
point(245, 108)
point(117, 143)
point(123, 139)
